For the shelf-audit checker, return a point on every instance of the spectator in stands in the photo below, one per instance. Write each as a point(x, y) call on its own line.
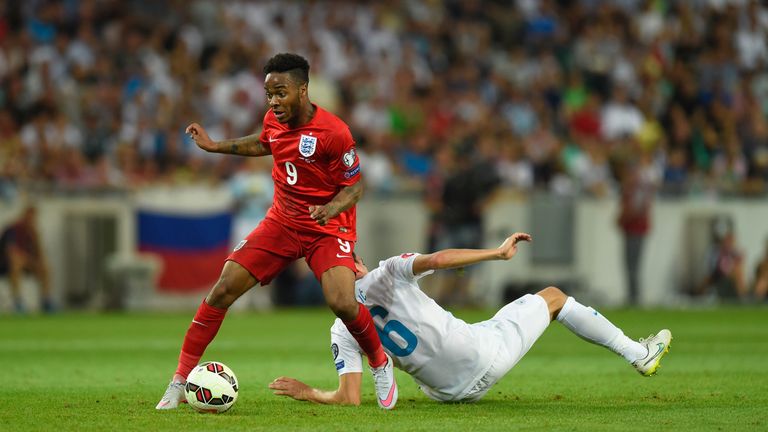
point(637, 192)
point(466, 192)
point(675, 174)
point(725, 269)
point(513, 167)
point(21, 252)
point(620, 116)
point(760, 291)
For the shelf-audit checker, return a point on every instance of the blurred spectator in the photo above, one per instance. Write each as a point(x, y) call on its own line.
point(379, 171)
point(467, 189)
point(417, 159)
point(252, 188)
point(591, 169)
point(443, 167)
point(725, 278)
point(729, 166)
point(22, 253)
point(637, 192)
point(513, 167)
point(750, 39)
point(542, 146)
point(675, 173)
point(620, 117)
point(761, 277)
point(584, 120)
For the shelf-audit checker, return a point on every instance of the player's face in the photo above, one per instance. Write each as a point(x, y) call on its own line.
point(284, 96)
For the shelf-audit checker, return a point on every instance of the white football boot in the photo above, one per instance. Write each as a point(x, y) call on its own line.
point(386, 387)
point(658, 346)
point(174, 395)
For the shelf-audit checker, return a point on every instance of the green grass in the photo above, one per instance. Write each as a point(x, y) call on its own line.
point(106, 372)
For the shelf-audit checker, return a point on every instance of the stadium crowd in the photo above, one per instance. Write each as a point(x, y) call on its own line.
point(556, 95)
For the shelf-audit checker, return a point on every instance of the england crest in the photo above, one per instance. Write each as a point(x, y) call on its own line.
point(307, 145)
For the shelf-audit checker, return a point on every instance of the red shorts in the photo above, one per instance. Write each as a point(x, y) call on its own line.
point(271, 246)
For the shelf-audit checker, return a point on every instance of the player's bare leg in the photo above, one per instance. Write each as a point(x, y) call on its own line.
point(555, 300)
point(339, 290)
point(233, 282)
point(588, 324)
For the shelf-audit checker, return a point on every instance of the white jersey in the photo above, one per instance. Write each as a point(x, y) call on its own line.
point(445, 355)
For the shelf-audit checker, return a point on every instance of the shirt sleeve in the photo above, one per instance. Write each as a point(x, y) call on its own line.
point(347, 356)
point(343, 161)
point(401, 267)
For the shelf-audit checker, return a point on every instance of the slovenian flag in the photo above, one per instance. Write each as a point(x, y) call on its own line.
point(192, 241)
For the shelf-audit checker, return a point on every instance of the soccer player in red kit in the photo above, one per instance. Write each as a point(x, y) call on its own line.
point(316, 174)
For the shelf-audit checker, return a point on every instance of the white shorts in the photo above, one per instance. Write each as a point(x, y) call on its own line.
point(518, 325)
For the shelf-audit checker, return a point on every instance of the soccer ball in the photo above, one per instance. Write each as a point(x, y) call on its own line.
point(211, 387)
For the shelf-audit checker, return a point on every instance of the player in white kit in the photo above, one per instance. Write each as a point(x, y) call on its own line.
point(448, 358)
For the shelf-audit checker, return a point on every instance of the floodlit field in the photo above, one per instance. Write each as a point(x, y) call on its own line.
point(106, 373)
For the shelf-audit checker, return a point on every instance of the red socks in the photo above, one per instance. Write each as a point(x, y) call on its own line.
point(201, 332)
point(364, 332)
point(208, 319)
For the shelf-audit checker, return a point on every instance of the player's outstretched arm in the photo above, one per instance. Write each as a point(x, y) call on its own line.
point(246, 146)
point(348, 392)
point(343, 200)
point(452, 258)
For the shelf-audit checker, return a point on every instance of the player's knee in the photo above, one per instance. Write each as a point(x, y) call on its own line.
point(555, 299)
point(554, 293)
point(233, 282)
point(222, 295)
point(343, 308)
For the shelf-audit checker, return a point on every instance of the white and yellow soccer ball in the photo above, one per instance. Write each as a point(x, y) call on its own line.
point(211, 387)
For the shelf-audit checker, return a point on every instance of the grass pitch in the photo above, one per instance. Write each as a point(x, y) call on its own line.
point(106, 372)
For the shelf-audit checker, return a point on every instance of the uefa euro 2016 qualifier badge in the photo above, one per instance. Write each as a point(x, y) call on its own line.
point(349, 158)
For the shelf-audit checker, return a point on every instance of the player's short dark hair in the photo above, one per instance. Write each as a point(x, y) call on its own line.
point(294, 64)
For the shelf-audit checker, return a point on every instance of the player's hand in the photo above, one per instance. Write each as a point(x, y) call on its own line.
point(322, 214)
point(200, 136)
point(290, 387)
point(508, 249)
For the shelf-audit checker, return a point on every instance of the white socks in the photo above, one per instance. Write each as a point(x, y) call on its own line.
point(588, 324)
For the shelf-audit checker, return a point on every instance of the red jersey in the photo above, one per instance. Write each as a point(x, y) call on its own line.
point(312, 163)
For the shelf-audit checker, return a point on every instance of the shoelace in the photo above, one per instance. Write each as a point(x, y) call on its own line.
point(173, 386)
point(643, 340)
